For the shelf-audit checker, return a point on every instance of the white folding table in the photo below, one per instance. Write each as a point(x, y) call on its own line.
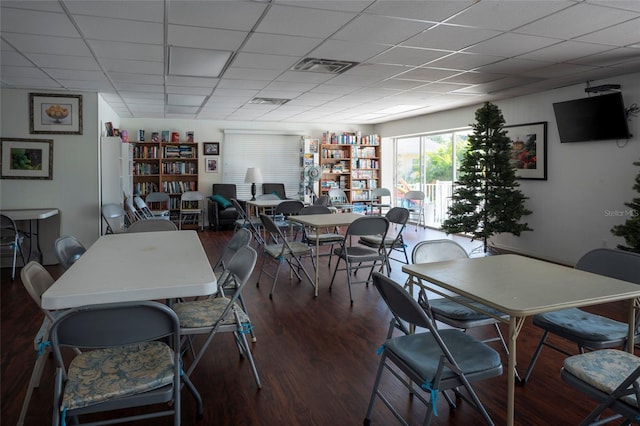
point(32, 215)
point(137, 266)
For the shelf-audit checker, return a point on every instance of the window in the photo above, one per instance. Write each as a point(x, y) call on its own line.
point(276, 155)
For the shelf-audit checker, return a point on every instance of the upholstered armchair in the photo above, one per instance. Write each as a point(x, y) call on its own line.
point(221, 211)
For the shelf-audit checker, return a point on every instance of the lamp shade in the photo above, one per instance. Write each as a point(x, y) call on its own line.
point(253, 175)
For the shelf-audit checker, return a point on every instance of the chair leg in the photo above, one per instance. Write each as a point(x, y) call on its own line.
point(249, 356)
point(196, 395)
point(275, 279)
point(374, 392)
point(534, 358)
point(33, 383)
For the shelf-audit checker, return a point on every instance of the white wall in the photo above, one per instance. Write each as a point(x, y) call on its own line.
point(73, 188)
point(585, 181)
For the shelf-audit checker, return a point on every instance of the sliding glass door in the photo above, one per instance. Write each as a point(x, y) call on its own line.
point(429, 163)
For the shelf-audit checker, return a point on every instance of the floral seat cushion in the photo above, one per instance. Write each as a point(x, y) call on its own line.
point(206, 312)
point(104, 374)
point(604, 369)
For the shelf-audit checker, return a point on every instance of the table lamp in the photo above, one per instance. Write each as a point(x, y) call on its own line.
point(253, 175)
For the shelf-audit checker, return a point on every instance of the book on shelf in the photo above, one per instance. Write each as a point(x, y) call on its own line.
point(155, 136)
point(190, 136)
point(165, 136)
point(175, 136)
point(124, 135)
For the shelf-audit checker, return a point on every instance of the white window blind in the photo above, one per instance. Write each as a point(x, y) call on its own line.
point(276, 155)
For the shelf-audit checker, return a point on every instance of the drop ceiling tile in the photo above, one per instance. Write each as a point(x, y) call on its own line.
point(184, 90)
point(13, 58)
point(133, 95)
point(511, 44)
point(239, 73)
point(131, 87)
point(427, 74)
point(231, 15)
point(506, 15)
point(280, 44)
point(204, 38)
point(464, 61)
point(37, 23)
point(290, 86)
point(557, 70)
point(185, 100)
point(376, 70)
point(408, 56)
point(347, 51)
point(443, 87)
point(17, 71)
point(304, 77)
point(32, 83)
point(278, 94)
point(611, 57)
point(138, 10)
point(620, 4)
point(227, 83)
point(237, 93)
point(380, 29)
point(512, 66)
point(127, 77)
point(173, 80)
point(399, 84)
point(450, 37)
point(298, 21)
point(88, 85)
point(622, 35)
point(121, 50)
point(257, 60)
point(100, 28)
point(433, 11)
point(131, 66)
point(65, 61)
point(76, 74)
point(28, 43)
point(565, 51)
point(472, 77)
point(42, 5)
point(569, 23)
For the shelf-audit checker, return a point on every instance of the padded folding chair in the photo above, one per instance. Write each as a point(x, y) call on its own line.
point(377, 201)
point(414, 201)
point(68, 250)
point(339, 200)
point(132, 212)
point(220, 314)
point(357, 256)
point(322, 200)
point(191, 209)
point(399, 217)
point(152, 225)
point(253, 224)
point(283, 211)
point(158, 203)
point(455, 312)
point(326, 238)
point(279, 250)
point(241, 238)
point(11, 239)
point(587, 330)
point(131, 352)
point(36, 280)
point(610, 377)
point(115, 218)
point(434, 361)
point(142, 207)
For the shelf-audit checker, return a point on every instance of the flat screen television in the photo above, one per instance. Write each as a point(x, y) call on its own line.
point(595, 118)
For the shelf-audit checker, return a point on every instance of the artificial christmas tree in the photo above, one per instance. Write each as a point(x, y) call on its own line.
point(630, 230)
point(486, 200)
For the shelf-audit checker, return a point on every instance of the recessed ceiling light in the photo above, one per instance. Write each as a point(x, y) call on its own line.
point(190, 62)
point(269, 101)
point(328, 66)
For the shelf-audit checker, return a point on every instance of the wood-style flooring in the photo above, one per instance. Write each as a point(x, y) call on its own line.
point(316, 358)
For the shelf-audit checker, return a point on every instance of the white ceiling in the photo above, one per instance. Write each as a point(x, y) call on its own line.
point(415, 57)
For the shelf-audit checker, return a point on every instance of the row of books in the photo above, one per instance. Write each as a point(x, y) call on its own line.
point(360, 195)
point(179, 168)
point(363, 152)
point(178, 187)
point(178, 151)
point(143, 188)
point(145, 169)
point(360, 163)
point(364, 184)
point(364, 174)
point(148, 152)
point(333, 153)
point(350, 138)
point(167, 136)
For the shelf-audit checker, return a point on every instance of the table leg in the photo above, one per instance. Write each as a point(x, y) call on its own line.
point(634, 304)
point(515, 326)
point(317, 283)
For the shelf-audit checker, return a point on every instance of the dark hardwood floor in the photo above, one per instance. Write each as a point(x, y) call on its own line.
point(316, 358)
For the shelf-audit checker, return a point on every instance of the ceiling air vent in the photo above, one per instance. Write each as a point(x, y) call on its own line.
point(269, 101)
point(328, 66)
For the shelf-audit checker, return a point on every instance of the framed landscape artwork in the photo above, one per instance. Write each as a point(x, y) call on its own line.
point(529, 149)
point(211, 148)
point(26, 158)
point(55, 114)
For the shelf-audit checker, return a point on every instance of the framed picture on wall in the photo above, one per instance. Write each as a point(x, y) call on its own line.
point(529, 149)
point(55, 114)
point(26, 158)
point(211, 148)
point(211, 165)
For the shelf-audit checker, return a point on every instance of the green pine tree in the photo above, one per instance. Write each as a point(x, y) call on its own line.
point(486, 200)
point(630, 230)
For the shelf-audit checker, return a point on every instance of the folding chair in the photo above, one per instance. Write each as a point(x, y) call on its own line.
point(399, 217)
point(414, 202)
point(68, 250)
point(253, 224)
point(191, 209)
point(132, 212)
point(220, 314)
point(329, 237)
point(279, 250)
point(451, 311)
point(158, 203)
point(356, 256)
point(610, 377)
point(589, 330)
point(131, 352)
point(36, 280)
point(152, 225)
point(11, 239)
point(115, 218)
point(339, 200)
point(377, 202)
point(282, 211)
point(434, 361)
point(142, 207)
